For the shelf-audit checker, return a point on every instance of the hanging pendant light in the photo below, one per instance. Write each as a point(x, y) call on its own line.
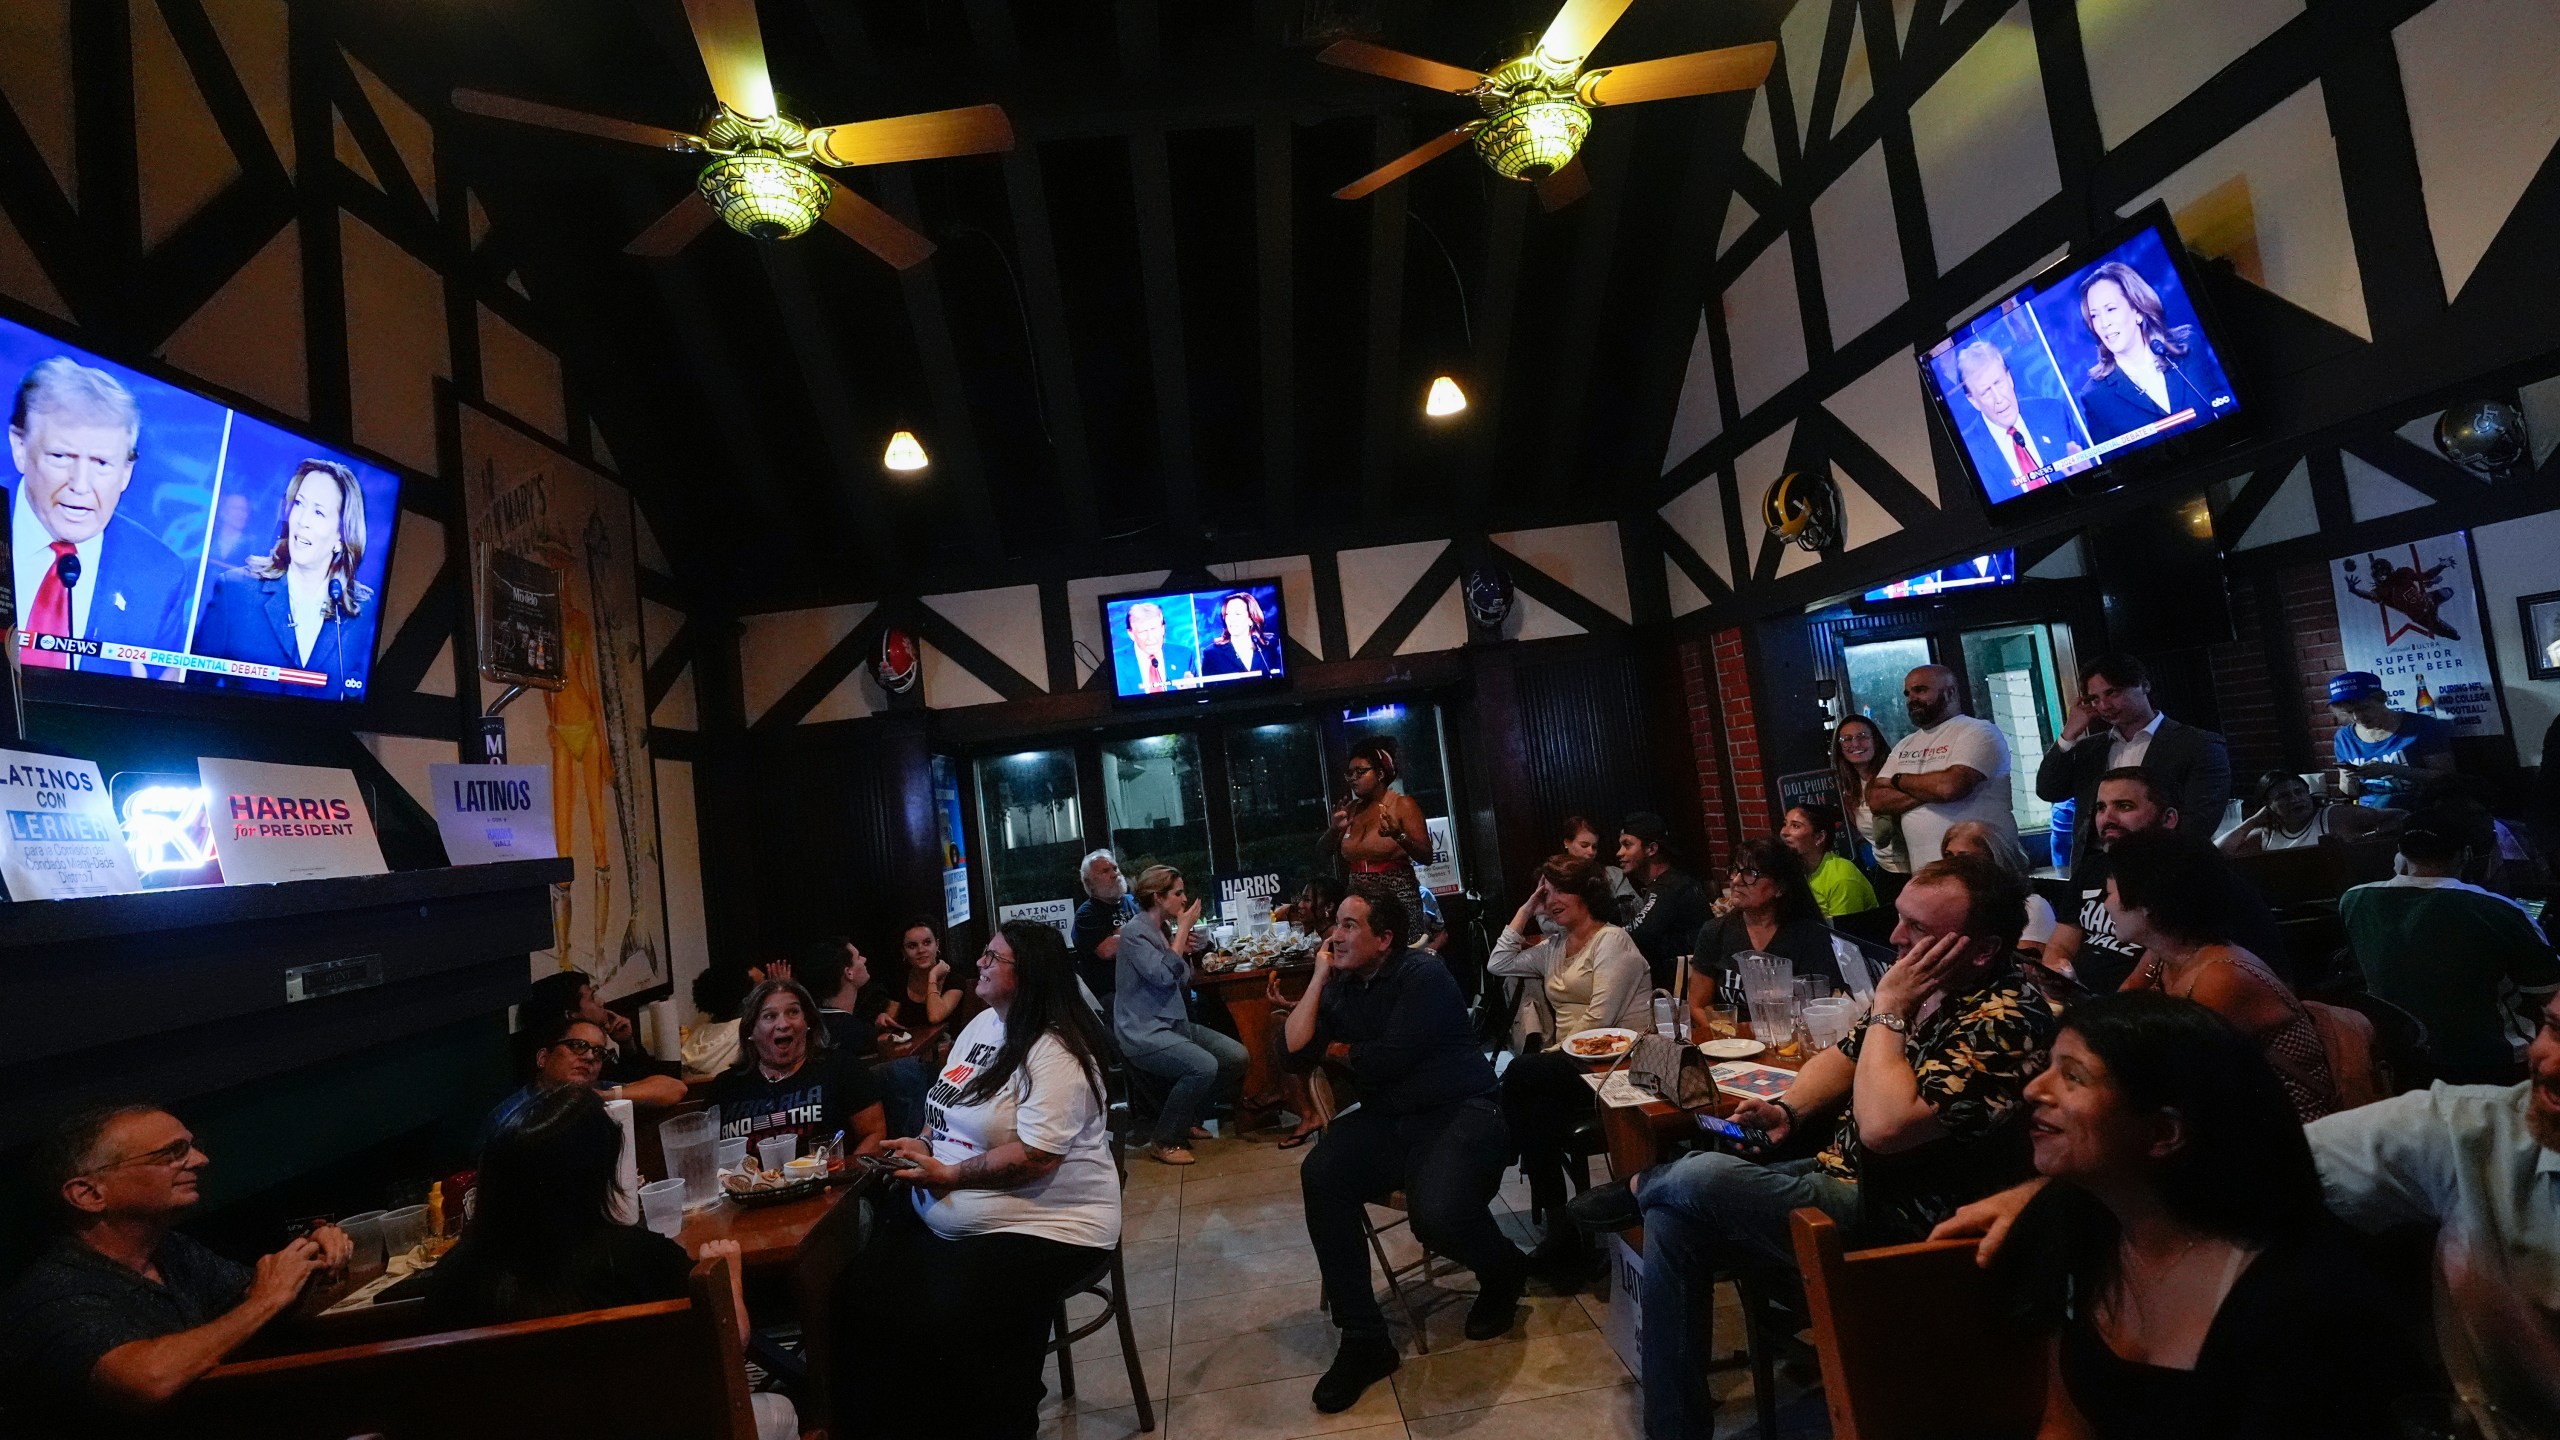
point(905, 453)
point(1445, 399)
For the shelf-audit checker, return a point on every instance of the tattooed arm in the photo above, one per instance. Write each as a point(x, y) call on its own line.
point(1009, 1166)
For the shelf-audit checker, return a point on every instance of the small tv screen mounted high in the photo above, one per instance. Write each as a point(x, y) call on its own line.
point(1168, 643)
point(2104, 366)
point(161, 536)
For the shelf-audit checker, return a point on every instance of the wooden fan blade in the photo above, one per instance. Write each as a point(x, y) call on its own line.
point(674, 230)
point(876, 230)
point(1577, 28)
point(976, 130)
point(733, 51)
point(1564, 187)
point(578, 122)
point(1708, 72)
point(1396, 65)
point(1407, 163)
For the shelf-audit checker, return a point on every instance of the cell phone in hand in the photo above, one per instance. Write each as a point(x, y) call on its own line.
point(1749, 1137)
point(890, 1159)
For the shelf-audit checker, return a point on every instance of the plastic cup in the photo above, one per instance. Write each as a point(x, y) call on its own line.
point(732, 1153)
point(776, 1151)
point(402, 1229)
point(662, 1206)
point(364, 1233)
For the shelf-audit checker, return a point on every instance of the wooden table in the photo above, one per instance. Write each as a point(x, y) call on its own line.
point(1638, 1134)
point(768, 1236)
point(1246, 995)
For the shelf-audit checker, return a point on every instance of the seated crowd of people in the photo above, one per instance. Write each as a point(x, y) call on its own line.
point(2172, 1134)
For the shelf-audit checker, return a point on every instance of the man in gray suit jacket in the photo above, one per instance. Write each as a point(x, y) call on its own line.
point(2115, 725)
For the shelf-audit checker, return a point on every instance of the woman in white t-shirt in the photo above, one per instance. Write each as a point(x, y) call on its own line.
point(1015, 1196)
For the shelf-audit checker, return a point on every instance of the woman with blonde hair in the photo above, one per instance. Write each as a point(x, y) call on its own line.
point(1152, 1020)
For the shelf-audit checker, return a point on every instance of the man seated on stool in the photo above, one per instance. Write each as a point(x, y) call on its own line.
point(625, 1072)
point(1933, 1077)
point(119, 1313)
point(1427, 1124)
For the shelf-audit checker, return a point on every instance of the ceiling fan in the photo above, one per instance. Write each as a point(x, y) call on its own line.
point(1537, 105)
point(762, 177)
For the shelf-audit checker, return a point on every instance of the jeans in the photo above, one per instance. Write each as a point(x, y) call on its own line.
point(1201, 1063)
point(902, 1086)
point(1705, 1213)
point(1448, 1162)
point(975, 1311)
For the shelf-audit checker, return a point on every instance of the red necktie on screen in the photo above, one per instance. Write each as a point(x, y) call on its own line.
point(1155, 673)
point(51, 614)
point(2018, 447)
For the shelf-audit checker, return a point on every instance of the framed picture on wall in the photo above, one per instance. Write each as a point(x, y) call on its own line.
point(2540, 617)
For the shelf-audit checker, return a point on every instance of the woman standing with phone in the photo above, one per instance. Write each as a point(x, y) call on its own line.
point(1379, 830)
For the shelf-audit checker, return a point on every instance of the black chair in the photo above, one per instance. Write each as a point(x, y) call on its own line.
point(1108, 1282)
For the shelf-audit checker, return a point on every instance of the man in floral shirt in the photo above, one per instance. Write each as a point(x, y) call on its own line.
point(1928, 1094)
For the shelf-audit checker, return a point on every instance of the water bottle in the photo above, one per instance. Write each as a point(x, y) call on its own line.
point(1665, 1015)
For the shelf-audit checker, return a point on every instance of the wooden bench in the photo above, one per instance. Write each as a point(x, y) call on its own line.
point(668, 1370)
point(1915, 1341)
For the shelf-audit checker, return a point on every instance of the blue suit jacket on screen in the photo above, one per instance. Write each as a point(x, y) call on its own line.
point(2049, 430)
point(249, 618)
point(139, 595)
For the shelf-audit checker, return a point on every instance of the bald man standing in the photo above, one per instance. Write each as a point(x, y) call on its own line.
point(1953, 768)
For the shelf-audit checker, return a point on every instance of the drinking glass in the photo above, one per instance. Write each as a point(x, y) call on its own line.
point(402, 1229)
point(732, 1153)
point(1720, 1023)
point(364, 1233)
point(776, 1151)
point(662, 1206)
point(690, 1143)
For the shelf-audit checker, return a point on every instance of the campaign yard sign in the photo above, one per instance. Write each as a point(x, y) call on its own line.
point(490, 813)
point(61, 840)
point(273, 823)
point(1058, 913)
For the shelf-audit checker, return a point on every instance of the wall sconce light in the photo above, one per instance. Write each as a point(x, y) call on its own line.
point(905, 453)
point(1445, 399)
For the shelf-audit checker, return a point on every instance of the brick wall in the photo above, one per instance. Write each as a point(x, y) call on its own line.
point(2259, 706)
point(1725, 739)
point(1741, 735)
point(1705, 717)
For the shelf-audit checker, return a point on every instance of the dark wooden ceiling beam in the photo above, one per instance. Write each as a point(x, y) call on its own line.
point(1027, 197)
point(959, 461)
point(1274, 252)
point(1386, 323)
point(1159, 271)
point(856, 494)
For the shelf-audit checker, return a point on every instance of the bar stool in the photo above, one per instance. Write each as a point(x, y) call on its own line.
point(1109, 1283)
point(1422, 1270)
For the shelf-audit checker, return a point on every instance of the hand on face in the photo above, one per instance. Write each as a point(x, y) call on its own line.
point(1922, 971)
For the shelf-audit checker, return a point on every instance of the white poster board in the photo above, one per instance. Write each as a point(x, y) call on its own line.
point(1440, 876)
point(490, 813)
point(273, 823)
point(62, 840)
point(2411, 614)
point(1058, 913)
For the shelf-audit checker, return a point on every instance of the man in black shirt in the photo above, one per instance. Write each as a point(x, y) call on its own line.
point(2131, 799)
point(121, 1313)
point(1108, 905)
point(1427, 1124)
point(1670, 905)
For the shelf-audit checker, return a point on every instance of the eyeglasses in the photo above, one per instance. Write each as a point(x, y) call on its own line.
point(990, 957)
point(1356, 771)
point(583, 1049)
point(1745, 876)
point(176, 1152)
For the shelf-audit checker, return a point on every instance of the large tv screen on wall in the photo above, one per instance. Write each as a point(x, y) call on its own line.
point(2083, 376)
point(1184, 642)
point(159, 535)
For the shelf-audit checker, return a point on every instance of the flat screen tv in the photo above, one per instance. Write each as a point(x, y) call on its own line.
point(1196, 642)
point(2000, 567)
point(163, 536)
point(2099, 368)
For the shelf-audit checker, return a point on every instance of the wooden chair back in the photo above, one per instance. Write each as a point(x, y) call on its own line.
point(669, 1370)
point(1914, 1340)
point(826, 1252)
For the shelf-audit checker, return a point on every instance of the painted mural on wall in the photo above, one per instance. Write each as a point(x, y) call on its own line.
point(2411, 614)
point(525, 500)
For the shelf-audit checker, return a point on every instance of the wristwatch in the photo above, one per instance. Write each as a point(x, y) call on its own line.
point(1894, 1023)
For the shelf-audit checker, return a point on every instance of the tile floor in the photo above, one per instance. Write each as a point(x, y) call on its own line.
point(1230, 1339)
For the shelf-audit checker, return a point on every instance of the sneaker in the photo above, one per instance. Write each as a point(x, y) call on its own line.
point(1359, 1364)
point(1496, 1305)
point(1605, 1209)
point(1172, 1154)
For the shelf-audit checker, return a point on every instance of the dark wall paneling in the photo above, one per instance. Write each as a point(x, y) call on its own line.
point(1584, 746)
point(837, 837)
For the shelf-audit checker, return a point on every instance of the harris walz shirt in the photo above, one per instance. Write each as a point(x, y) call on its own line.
point(813, 1102)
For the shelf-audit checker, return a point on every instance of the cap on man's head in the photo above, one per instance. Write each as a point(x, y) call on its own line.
point(2353, 686)
point(1645, 826)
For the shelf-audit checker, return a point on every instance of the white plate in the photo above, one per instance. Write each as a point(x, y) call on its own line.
point(1620, 1042)
point(1732, 1049)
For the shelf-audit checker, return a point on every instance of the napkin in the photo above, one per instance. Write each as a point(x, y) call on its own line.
point(664, 1033)
point(624, 1203)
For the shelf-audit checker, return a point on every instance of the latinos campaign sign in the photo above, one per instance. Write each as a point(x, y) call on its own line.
point(490, 813)
point(2411, 614)
point(273, 823)
point(62, 839)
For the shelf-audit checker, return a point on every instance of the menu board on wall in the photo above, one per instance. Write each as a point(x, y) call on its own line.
point(62, 840)
point(2411, 614)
